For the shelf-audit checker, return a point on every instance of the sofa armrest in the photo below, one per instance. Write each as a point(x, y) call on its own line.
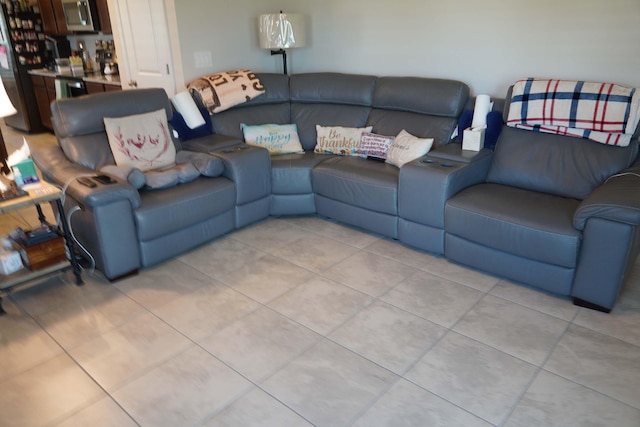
point(58, 169)
point(211, 142)
point(618, 199)
point(425, 185)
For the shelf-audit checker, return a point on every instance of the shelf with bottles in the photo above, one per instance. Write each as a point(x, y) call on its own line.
point(18, 7)
point(22, 18)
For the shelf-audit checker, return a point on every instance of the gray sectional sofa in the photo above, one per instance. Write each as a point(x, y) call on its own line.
point(542, 210)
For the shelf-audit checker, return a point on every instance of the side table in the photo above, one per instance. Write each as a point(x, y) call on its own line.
point(39, 193)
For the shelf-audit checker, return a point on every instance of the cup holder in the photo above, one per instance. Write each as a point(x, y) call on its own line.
point(434, 162)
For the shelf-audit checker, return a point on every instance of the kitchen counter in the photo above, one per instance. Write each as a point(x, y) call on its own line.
point(87, 77)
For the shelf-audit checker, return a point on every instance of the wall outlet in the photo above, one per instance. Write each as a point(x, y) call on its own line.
point(203, 59)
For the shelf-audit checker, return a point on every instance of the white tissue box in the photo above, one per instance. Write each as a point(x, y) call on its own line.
point(10, 262)
point(473, 140)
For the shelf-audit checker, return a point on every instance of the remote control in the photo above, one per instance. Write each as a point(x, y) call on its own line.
point(87, 182)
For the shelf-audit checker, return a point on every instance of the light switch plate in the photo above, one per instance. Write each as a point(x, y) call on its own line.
point(203, 59)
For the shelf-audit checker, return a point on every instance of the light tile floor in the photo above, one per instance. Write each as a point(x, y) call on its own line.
point(302, 321)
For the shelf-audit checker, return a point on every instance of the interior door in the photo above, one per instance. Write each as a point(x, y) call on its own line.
point(141, 35)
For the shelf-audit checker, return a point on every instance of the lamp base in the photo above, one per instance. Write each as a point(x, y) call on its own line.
point(284, 58)
point(4, 168)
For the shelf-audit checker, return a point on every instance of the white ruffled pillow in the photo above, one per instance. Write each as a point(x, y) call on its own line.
point(406, 148)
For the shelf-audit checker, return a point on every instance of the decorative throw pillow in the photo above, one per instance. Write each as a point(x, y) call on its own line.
point(406, 148)
point(161, 178)
point(339, 140)
point(142, 140)
point(173, 175)
point(278, 139)
point(374, 146)
point(221, 91)
point(184, 132)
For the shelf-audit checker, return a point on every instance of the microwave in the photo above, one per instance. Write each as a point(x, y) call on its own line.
point(80, 15)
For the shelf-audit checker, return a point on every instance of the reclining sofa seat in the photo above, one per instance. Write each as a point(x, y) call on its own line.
point(364, 192)
point(549, 215)
point(125, 229)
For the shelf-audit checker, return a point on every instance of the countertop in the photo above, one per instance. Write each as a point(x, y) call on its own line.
point(87, 77)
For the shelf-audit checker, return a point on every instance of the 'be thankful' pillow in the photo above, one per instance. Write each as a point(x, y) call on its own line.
point(141, 141)
point(339, 140)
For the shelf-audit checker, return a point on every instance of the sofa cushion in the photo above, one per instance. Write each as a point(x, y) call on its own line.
point(339, 140)
point(433, 97)
point(176, 208)
point(308, 116)
point(141, 140)
point(329, 99)
point(555, 164)
point(80, 131)
point(426, 108)
point(168, 177)
point(389, 122)
point(368, 184)
point(525, 223)
point(291, 173)
point(332, 88)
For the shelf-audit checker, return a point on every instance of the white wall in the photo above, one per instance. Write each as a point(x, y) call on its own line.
point(486, 44)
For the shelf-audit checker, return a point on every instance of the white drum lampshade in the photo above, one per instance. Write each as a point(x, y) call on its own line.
point(280, 31)
point(6, 109)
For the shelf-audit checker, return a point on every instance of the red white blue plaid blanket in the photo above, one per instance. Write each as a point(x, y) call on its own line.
point(602, 112)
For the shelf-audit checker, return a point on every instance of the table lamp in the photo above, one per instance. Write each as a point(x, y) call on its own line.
point(280, 31)
point(6, 109)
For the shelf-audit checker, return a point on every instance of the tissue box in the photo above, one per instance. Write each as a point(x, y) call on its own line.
point(24, 172)
point(473, 140)
point(10, 262)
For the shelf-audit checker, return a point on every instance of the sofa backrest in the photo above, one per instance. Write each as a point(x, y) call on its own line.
point(424, 107)
point(272, 107)
point(555, 164)
point(79, 127)
point(329, 99)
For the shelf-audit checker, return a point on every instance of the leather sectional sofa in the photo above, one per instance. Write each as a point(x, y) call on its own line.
point(543, 210)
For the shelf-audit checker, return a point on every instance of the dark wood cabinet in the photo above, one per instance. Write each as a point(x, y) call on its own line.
point(94, 87)
point(53, 21)
point(109, 88)
point(45, 91)
point(103, 16)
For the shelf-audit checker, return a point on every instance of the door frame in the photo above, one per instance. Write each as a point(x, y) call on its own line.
point(174, 43)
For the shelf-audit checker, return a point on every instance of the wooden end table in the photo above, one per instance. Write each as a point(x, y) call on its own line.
point(39, 193)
